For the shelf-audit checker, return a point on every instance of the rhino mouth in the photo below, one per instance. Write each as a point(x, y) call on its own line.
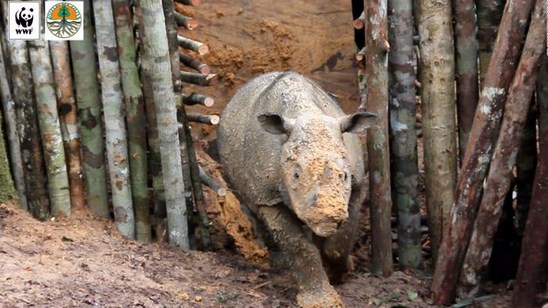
point(325, 229)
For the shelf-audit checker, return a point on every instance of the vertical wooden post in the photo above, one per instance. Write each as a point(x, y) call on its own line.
point(376, 73)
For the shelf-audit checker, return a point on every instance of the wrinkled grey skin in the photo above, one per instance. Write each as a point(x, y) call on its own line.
point(288, 150)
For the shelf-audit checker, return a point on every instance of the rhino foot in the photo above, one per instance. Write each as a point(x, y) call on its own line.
point(325, 297)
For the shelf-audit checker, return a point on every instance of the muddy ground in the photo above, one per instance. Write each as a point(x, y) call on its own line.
point(83, 261)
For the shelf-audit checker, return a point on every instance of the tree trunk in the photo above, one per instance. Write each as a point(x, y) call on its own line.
point(504, 157)
point(377, 141)
point(90, 121)
point(154, 39)
point(478, 152)
point(466, 68)
point(69, 122)
point(404, 136)
point(438, 114)
point(117, 149)
point(135, 111)
point(489, 16)
point(50, 129)
point(532, 274)
point(8, 109)
point(29, 135)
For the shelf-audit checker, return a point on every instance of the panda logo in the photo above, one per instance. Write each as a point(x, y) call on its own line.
point(24, 19)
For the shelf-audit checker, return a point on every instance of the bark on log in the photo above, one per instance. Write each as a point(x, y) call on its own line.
point(171, 30)
point(29, 135)
point(115, 132)
point(198, 99)
point(198, 47)
point(177, 86)
point(194, 176)
point(194, 64)
point(14, 145)
point(203, 118)
point(89, 116)
point(466, 68)
point(504, 157)
point(478, 152)
point(135, 117)
point(438, 114)
point(489, 16)
point(198, 79)
point(532, 273)
point(7, 187)
point(377, 141)
point(184, 21)
point(154, 39)
point(212, 183)
point(69, 122)
point(403, 144)
point(50, 129)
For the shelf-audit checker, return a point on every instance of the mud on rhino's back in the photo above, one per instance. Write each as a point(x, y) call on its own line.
point(249, 154)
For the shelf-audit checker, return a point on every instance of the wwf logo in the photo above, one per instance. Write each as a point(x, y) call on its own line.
point(24, 17)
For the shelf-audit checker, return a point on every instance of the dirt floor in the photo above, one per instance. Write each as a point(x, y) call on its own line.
point(83, 261)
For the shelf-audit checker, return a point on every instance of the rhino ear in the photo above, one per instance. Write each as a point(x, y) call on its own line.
point(276, 124)
point(357, 122)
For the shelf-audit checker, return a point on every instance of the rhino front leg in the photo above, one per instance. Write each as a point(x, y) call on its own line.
point(303, 257)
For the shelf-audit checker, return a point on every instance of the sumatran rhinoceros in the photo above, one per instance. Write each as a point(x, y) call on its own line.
point(287, 148)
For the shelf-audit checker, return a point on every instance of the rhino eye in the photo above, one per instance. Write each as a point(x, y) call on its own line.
point(296, 175)
point(344, 176)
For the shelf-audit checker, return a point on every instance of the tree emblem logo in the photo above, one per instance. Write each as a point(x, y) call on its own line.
point(64, 20)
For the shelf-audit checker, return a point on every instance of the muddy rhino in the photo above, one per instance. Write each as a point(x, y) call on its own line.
point(287, 148)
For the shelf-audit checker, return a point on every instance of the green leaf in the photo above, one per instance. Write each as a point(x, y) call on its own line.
point(412, 295)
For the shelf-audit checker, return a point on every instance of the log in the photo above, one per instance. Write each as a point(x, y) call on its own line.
point(532, 272)
point(12, 136)
point(212, 183)
point(360, 56)
point(438, 111)
point(203, 118)
point(478, 153)
point(66, 103)
point(376, 74)
point(197, 78)
point(189, 2)
point(466, 68)
point(359, 23)
point(194, 64)
point(184, 21)
point(504, 158)
point(193, 45)
point(198, 99)
point(403, 141)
